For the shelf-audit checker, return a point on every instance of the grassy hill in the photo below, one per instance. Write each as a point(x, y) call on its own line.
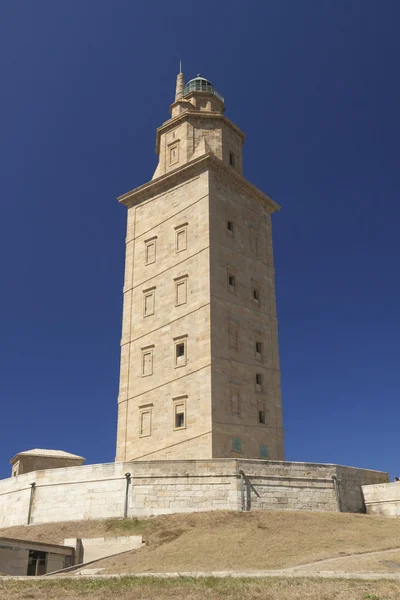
point(224, 540)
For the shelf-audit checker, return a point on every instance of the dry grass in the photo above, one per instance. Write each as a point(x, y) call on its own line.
point(129, 588)
point(232, 541)
point(365, 563)
point(56, 532)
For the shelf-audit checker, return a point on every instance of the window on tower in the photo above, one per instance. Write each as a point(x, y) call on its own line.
point(149, 301)
point(181, 237)
point(147, 361)
point(232, 159)
point(258, 382)
point(181, 290)
point(173, 154)
point(258, 349)
point(145, 420)
point(179, 412)
point(150, 250)
point(236, 445)
point(180, 351)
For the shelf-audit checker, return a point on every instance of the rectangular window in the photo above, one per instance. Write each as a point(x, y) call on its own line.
point(144, 422)
point(258, 349)
point(232, 159)
point(149, 301)
point(150, 250)
point(256, 296)
point(181, 290)
point(173, 154)
point(233, 335)
point(181, 237)
point(236, 444)
point(230, 228)
point(235, 399)
point(261, 417)
point(263, 451)
point(180, 351)
point(147, 361)
point(258, 382)
point(231, 283)
point(179, 408)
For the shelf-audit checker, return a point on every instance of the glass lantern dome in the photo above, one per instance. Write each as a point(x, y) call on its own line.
point(200, 84)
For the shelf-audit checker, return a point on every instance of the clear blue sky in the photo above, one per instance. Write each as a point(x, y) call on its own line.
point(315, 86)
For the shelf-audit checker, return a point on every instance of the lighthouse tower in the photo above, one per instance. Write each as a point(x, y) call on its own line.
point(200, 371)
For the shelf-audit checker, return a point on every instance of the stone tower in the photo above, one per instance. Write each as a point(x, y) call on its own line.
point(199, 350)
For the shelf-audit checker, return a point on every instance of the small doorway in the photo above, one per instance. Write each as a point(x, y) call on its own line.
point(37, 563)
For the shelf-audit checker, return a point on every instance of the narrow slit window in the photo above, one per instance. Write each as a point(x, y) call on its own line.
point(232, 159)
point(258, 349)
point(230, 228)
point(256, 296)
point(261, 417)
point(258, 382)
point(231, 283)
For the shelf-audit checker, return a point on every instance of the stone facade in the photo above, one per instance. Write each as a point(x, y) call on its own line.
point(200, 371)
point(165, 487)
point(382, 499)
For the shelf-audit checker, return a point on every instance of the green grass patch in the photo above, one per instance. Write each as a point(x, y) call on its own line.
point(207, 588)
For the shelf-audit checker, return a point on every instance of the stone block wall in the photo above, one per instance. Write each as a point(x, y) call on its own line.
point(382, 499)
point(287, 485)
point(350, 482)
point(173, 486)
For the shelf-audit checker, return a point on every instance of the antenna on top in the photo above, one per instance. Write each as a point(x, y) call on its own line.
point(180, 66)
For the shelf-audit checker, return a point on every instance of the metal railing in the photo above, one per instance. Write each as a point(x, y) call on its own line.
point(200, 86)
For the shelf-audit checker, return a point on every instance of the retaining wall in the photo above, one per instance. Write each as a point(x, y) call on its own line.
point(163, 487)
point(382, 499)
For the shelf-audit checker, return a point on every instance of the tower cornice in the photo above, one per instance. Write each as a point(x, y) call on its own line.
point(174, 121)
point(191, 169)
